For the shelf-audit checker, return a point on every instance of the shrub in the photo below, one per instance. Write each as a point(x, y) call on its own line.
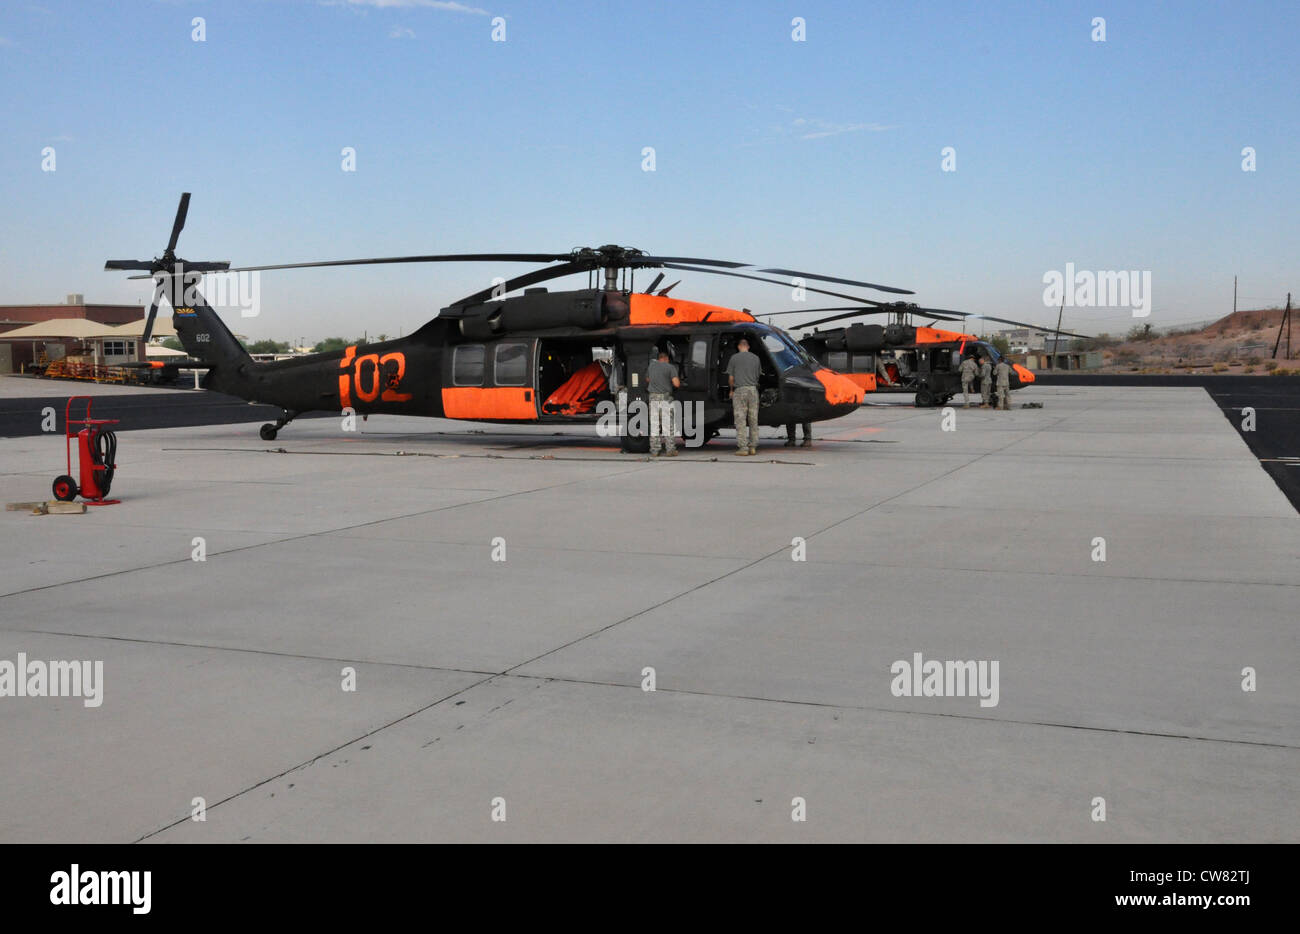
point(1220, 367)
point(1270, 365)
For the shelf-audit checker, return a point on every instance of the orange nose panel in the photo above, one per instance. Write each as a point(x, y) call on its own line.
point(1026, 376)
point(840, 390)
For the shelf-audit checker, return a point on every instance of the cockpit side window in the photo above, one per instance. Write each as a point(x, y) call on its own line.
point(785, 352)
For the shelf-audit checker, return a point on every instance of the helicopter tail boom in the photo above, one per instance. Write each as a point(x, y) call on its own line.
point(205, 337)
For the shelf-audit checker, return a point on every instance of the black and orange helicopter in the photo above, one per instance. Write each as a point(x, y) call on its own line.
point(902, 356)
point(540, 357)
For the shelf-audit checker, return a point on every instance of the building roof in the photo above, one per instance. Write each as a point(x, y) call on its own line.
point(162, 327)
point(84, 329)
point(68, 328)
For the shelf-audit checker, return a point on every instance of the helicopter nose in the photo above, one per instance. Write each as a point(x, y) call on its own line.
point(840, 390)
point(1026, 376)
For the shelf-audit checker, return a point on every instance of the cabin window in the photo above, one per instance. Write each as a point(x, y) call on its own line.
point(467, 365)
point(838, 360)
point(700, 354)
point(510, 364)
point(863, 363)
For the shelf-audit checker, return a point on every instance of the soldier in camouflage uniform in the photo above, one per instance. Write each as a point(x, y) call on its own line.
point(1002, 372)
point(986, 381)
point(743, 371)
point(661, 380)
point(968, 370)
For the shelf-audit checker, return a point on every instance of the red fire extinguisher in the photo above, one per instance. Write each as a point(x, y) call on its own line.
point(96, 458)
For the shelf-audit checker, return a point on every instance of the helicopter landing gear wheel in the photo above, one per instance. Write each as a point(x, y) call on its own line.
point(924, 398)
point(269, 431)
point(65, 489)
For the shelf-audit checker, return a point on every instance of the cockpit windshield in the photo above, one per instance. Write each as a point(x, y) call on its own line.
point(785, 351)
point(989, 350)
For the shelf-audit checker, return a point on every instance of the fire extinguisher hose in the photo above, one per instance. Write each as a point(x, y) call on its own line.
point(106, 454)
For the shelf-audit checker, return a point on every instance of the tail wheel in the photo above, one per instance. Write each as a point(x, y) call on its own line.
point(65, 489)
point(268, 432)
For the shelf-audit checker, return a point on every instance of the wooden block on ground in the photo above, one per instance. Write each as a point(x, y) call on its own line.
point(56, 508)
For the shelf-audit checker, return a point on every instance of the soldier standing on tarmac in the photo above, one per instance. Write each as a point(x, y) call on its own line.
point(986, 381)
point(661, 380)
point(743, 371)
point(807, 434)
point(968, 370)
point(1003, 373)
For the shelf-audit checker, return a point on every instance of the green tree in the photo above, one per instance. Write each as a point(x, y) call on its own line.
point(172, 343)
point(268, 346)
point(1001, 345)
point(331, 343)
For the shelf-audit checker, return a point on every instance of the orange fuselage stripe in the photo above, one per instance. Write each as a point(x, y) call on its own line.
point(867, 381)
point(926, 335)
point(496, 404)
point(655, 309)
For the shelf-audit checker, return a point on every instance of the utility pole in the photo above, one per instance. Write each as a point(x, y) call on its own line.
point(1234, 295)
point(1056, 338)
point(1284, 323)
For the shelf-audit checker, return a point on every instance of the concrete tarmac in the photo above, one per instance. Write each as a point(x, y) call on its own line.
point(514, 688)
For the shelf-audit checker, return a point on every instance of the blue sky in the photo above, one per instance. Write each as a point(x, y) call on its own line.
point(823, 154)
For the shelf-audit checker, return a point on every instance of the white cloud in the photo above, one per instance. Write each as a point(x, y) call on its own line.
point(401, 32)
point(816, 128)
point(448, 5)
point(800, 128)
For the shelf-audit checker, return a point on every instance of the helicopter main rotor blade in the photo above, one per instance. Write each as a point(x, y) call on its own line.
point(741, 275)
point(128, 265)
point(861, 312)
point(865, 285)
point(664, 260)
point(811, 311)
point(1035, 327)
point(438, 258)
point(937, 314)
point(519, 282)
